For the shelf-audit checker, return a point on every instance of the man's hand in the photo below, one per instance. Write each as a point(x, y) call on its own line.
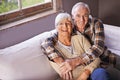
point(84, 75)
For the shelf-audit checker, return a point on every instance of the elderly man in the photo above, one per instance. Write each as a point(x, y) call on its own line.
point(93, 30)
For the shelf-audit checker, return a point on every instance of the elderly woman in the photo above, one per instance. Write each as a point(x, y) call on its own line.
point(69, 46)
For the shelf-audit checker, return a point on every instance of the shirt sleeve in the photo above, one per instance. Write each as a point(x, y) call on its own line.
point(97, 47)
point(48, 48)
point(93, 65)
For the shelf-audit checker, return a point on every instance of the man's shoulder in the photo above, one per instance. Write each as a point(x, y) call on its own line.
point(95, 20)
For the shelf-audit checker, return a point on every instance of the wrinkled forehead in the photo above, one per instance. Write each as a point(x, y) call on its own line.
point(65, 20)
point(62, 19)
point(81, 9)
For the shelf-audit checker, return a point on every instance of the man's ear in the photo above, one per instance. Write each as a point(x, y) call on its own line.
point(90, 16)
point(72, 17)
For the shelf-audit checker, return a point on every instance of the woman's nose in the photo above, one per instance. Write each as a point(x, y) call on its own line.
point(65, 26)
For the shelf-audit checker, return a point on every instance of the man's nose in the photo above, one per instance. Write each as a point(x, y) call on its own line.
point(81, 18)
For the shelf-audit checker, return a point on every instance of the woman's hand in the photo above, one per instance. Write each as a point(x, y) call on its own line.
point(70, 64)
point(66, 75)
point(66, 69)
point(67, 66)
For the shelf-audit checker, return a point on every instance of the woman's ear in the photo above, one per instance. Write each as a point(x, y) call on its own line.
point(56, 29)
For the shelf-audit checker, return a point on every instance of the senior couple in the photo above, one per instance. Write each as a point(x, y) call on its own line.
point(76, 50)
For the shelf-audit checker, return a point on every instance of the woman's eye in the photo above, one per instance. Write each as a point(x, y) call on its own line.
point(60, 23)
point(69, 24)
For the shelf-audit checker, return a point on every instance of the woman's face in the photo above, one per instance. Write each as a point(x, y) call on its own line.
point(64, 27)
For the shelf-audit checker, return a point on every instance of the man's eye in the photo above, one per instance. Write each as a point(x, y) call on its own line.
point(86, 15)
point(77, 15)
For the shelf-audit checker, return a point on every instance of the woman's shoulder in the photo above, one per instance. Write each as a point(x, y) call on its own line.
point(77, 36)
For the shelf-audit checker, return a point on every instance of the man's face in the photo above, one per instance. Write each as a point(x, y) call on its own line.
point(81, 16)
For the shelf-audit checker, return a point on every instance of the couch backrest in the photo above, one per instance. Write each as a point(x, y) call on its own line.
point(112, 38)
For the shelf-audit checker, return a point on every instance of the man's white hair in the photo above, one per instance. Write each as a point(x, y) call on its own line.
point(62, 16)
point(79, 4)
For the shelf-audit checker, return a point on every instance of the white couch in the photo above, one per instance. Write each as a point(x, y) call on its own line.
point(25, 61)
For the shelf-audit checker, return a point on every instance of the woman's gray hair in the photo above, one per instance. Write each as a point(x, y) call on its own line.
point(80, 4)
point(62, 16)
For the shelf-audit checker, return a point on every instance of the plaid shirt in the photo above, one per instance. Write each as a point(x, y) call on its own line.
point(94, 32)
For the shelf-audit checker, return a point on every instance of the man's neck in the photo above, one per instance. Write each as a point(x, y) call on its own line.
point(81, 29)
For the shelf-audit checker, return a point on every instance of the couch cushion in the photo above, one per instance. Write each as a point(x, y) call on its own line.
point(26, 61)
point(115, 51)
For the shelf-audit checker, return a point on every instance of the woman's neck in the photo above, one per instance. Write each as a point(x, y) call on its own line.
point(66, 40)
